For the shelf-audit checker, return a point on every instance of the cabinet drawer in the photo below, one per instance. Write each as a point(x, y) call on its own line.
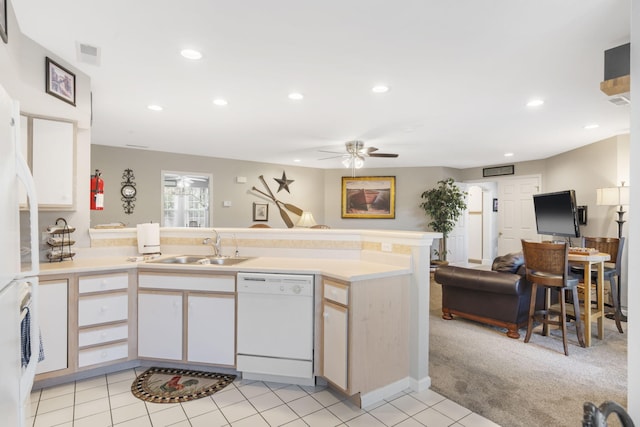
point(102, 335)
point(92, 356)
point(188, 283)
point(93, 310)
point(106, 282)
point(336, 292)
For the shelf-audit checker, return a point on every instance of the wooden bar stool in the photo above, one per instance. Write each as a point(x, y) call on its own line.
point(547, 265)
point(612, 246)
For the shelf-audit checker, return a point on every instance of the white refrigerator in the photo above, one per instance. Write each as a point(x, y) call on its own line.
point(19, 350)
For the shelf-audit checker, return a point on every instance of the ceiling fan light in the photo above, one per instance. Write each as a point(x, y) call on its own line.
point(347, 162)
point(358, 162)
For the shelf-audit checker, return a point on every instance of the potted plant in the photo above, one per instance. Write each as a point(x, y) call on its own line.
point(444, 204)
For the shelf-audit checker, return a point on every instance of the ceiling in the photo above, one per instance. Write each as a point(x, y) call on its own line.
point(460, 75)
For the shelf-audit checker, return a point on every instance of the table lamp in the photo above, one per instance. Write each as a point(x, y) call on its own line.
point(306, 220)
point(614, 196)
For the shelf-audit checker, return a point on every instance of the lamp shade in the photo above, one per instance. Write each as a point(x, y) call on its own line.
point(306, 220)
point(612, 196)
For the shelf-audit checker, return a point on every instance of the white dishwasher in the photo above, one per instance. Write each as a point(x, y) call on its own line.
point(275, 327)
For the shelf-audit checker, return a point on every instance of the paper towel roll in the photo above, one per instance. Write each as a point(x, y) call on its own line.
point(149, 238)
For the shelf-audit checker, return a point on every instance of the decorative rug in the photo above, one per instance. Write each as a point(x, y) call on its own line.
point(166, 385)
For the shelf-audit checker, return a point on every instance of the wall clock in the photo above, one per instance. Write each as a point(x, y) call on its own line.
point(128, 191)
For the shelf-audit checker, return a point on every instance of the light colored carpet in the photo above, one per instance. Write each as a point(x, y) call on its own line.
point(516, 384)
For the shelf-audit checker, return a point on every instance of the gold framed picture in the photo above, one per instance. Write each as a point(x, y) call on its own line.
point(369, 197)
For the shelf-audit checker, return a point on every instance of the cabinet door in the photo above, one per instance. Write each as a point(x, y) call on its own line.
point(53, 304)
point(53, 166)
point(160, 325)
point(335, 344)
point(211, 329)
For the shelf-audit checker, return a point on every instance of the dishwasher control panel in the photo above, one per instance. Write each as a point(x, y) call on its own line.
point(273, 283)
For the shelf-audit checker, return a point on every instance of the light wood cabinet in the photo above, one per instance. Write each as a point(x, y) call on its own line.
point(49, 145)
point(53, 319)
point(365, 333)
point(160, 325)
point(190, 318)
point(103, 316)
point(335, 339)
point(211, 329)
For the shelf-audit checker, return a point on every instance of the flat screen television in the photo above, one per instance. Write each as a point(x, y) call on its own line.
point(557, 214)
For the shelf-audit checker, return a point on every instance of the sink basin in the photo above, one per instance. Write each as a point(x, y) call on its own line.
point(200, 259)
point(226, 260)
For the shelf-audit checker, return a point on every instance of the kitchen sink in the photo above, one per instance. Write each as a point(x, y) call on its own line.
point(200, 259)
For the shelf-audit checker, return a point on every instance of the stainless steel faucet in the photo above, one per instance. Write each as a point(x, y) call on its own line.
point(215, 242)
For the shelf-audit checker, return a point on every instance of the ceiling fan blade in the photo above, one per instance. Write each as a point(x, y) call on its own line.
point(383, 155)
point(332, 157)
point(328, 151)
point(370, 150)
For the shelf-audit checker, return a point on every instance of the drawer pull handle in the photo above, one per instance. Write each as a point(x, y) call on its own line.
point(103, 335)
point(103, 354)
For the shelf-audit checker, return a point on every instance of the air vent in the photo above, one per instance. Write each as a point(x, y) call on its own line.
point(87, 53)
point(622, 99)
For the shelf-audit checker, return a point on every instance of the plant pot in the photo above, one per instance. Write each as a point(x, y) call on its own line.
point(438, 263)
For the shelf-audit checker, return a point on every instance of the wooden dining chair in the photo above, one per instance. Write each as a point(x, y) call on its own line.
point(260, 226)
point(612, 246)
point(547, 265)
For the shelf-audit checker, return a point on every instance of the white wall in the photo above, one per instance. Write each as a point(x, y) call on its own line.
point(22, 65)
point(633, 340)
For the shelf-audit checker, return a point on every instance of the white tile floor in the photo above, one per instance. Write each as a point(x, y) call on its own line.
point(107, 401)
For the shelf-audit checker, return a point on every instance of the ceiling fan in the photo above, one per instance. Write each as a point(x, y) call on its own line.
point(356, 153)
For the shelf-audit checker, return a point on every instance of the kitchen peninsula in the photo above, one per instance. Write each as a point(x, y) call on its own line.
point(375, 282)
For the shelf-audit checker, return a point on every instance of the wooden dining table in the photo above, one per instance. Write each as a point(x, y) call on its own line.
point(592, 314)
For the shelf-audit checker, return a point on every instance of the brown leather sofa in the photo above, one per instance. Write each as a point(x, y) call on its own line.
point(498, 297)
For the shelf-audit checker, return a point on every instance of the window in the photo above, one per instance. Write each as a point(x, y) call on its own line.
point(186, 199)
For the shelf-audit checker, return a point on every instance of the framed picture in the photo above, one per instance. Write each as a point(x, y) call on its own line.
point(3, 21)
point(369, 197)
point(60, 82)
point(260, 212)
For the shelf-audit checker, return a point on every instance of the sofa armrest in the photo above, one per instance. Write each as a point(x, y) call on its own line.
point(485, 280)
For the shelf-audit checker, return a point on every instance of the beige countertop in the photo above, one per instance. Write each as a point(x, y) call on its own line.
point(348, 270)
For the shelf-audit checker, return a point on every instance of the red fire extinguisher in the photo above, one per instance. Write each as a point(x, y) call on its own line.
point(97, 192)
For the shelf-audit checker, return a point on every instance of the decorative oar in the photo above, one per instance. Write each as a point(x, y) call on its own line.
point(283, 213)
point(292, 208)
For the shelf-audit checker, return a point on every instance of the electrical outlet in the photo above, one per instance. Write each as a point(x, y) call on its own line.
point(226, 203)
point(387, 247)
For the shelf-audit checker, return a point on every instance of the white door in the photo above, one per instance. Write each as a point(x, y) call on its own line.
point(160, 325)
point(516, 216)
point(211, 329)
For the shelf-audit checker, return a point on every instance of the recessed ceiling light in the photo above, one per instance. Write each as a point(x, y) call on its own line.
point(380, 89)
point(508, 154)
point(592, 126)
point(220, 102)
point(296, 160)
point(154, 107)
point(191, 54)
point(535, 103)
point(296, 96)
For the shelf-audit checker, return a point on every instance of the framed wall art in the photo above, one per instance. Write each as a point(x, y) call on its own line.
point(369, 197)
point(260, 212)
point(3, 21)
point(60, 82)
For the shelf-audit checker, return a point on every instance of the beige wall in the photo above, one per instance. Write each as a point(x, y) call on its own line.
point(306, 191)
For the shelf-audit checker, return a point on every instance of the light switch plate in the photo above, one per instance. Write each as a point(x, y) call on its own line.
point(241, 179)
point(226, 203)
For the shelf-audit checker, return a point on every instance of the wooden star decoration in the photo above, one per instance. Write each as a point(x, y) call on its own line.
point(284, 182)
